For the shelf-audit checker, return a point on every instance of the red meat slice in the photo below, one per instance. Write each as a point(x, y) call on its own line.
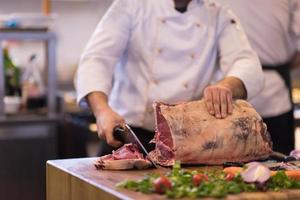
point(126, 157)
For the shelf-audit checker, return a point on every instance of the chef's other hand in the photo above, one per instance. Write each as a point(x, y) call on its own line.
point(218, 97)
point(218, 100)
point(106, 118)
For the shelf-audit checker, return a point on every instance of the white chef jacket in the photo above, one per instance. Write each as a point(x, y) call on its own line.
point(273, 29)
point(144, 51)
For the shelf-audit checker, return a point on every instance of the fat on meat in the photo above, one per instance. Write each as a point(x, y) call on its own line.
point(188, 133)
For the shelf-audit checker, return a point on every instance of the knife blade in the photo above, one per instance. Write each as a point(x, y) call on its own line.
point(280, 157)
point(126, 135)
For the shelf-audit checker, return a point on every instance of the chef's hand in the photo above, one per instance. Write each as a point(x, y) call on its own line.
point(106, 122)
point(219, 97)
point(106, 118)
point(218, 100)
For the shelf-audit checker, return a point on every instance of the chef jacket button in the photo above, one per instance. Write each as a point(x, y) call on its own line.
point(159, 51)
point(212, 4)
point(155, 81)
point(233, 21)
point(198, 25)
point(185, 85)
point(193, 56)
point(163, 21)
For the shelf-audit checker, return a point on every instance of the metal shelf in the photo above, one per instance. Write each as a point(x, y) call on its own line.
point(32, 35)
point(28, 118)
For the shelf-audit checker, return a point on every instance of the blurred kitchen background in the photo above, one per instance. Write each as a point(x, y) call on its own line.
point(41, 44)
point(30, 132)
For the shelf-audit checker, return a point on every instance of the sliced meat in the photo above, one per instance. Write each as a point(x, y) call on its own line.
point(126, 157)
point(187, 132)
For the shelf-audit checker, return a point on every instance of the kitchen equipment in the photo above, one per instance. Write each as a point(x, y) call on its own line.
point(12, 104)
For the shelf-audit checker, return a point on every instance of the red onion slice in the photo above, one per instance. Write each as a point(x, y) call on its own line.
point(256, 172)
point(252, 164)
point(295, 153)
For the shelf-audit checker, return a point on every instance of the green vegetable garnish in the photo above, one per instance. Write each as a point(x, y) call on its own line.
point(281, 181)
point(214, 185)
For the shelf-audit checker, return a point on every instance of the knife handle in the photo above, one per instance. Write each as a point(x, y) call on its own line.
point(118, 133)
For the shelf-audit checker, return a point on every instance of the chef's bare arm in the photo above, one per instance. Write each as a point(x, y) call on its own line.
point(106, 118)
point(236, 86)
point(218, 97)
point(296, 61)
point(98, 102)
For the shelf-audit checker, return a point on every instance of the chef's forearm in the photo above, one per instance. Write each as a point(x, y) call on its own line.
point(296, 61)
point(98, 102)
point(236, 86)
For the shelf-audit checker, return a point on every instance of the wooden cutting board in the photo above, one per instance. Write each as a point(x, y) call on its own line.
point(77, 179)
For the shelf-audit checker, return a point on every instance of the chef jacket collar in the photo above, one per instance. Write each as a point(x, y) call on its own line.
point(192, 4)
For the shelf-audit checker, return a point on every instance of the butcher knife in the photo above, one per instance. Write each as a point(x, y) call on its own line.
point(276, 161)
point(126, 135)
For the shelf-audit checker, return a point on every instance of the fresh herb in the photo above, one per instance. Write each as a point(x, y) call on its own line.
point(144, 185)
point(281, 181)
point(212, 183)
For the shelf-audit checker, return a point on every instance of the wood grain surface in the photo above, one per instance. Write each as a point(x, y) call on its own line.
point(77, 179)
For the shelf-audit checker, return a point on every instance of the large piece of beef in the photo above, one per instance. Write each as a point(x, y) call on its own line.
point(187, 132)
point(126, 157)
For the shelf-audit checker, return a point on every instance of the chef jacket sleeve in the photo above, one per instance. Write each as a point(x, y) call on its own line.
point(237, 58)
point(103, 51)
point(295, 22)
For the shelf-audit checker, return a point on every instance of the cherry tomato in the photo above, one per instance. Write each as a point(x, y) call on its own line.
point(199, 178)
point(161, 184)
point(229, 176)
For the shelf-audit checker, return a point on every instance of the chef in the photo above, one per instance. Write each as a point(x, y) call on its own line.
point(168, 50)
point(273, 29)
